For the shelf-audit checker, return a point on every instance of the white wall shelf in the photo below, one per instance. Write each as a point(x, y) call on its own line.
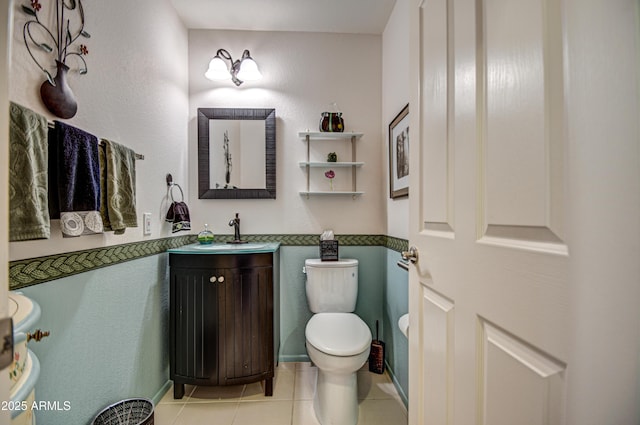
point(309, 136)
point(331, 193)
point(321, 135)
point(331, 164)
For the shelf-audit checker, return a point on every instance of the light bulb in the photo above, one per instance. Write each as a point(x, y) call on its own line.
point(217, 69)
point(249, 70)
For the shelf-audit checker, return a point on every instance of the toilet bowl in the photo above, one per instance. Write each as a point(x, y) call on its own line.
point(338, 341)
point(338, 344)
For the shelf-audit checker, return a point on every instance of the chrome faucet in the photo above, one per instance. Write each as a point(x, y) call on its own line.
point(235, 222)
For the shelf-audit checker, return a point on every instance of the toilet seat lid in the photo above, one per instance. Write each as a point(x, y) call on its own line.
point(338, 334)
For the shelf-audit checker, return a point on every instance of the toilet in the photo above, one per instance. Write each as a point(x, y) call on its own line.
point(337, 340)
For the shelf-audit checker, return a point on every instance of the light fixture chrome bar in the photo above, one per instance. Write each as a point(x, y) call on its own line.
point(244, 69)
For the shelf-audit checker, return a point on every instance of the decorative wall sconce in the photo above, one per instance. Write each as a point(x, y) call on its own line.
point(244, 69)
point(55, 91)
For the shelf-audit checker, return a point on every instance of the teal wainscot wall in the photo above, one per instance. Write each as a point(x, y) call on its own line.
point(107, 311)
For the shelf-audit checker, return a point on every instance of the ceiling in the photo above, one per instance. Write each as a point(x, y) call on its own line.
point(337, 16)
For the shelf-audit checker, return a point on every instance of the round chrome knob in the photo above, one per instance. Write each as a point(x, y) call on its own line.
point(411, 255)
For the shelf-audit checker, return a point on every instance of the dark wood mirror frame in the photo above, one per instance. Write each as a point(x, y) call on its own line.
point(205, 191)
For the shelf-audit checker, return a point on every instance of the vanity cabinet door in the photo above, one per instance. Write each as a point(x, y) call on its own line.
point(246, 322)
point(194, 333)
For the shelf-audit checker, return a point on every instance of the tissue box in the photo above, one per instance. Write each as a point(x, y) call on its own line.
point(329, 250)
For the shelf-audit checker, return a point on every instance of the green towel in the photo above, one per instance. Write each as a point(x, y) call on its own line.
point(28, 164)
point(117, 187)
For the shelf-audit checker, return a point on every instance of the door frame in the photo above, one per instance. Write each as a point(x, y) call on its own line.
point(6, 16)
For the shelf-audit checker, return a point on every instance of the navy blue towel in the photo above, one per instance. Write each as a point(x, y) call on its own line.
point(74, 167)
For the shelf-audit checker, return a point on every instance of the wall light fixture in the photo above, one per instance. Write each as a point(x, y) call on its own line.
point(244, 69)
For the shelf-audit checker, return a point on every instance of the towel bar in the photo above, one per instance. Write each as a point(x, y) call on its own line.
point(138, 156)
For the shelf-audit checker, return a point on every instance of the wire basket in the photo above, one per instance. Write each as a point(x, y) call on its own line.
point(134, 411)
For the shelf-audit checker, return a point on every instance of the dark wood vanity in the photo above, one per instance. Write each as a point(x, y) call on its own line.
point(223, 318)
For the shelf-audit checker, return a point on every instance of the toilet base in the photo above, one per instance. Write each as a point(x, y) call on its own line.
point(336, 398)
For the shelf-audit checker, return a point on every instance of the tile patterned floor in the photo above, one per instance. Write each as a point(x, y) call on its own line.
point(291, 404)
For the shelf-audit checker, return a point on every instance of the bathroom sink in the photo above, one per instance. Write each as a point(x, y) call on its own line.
point(230, 247)
point(24, 311)
point(226, 248)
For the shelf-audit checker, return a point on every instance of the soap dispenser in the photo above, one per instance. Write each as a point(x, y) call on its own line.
point(206, 236)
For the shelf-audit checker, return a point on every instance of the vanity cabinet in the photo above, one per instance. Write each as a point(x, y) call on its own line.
point(222, 319)
point(309, 164)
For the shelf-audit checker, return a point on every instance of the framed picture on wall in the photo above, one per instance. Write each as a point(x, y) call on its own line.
point(399, 154)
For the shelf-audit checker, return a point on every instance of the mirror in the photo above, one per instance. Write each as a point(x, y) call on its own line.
point(236, 153)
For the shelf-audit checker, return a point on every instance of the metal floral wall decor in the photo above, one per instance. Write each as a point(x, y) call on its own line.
point(56, 43)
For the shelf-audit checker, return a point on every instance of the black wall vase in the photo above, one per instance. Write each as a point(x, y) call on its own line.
point(58, 98)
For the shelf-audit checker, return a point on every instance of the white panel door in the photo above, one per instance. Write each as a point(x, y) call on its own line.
point(493, 295)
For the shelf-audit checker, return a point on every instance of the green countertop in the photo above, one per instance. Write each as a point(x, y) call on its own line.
point(227, 248)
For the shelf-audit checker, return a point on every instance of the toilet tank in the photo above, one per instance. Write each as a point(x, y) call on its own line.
point(332, 286)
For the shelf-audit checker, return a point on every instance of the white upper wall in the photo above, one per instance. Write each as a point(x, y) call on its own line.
point(302, 74)
point(136, 93)
point(395, 95)
point(144, 86)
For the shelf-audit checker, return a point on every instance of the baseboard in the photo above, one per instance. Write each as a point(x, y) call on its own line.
point(396, 384)
point(294, 358)
point(158, 396)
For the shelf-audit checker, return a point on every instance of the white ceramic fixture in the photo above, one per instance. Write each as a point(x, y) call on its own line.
point(403, 324)
point(25, 370)
point(337, 340)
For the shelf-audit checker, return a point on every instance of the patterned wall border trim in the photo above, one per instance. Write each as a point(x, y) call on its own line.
point(390, 242)
point(33, 271)
point(396, 244)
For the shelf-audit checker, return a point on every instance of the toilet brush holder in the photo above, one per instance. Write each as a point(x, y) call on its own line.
point(376, 355)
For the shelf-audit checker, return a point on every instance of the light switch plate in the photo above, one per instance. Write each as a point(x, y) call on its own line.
point(147, 223)
point(6, 342)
